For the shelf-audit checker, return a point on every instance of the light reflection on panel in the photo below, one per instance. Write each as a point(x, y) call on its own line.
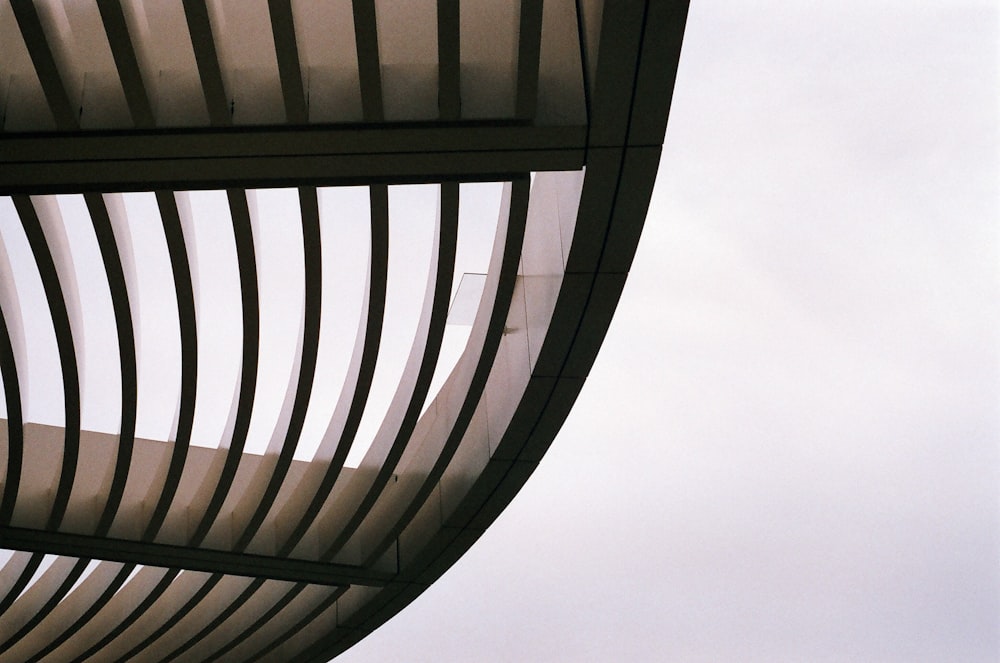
point(101, 381)
point(345, 219)
point(42, 401)
point(215, 277)
point(159, 351)
point(281, 284)
point(412, 213)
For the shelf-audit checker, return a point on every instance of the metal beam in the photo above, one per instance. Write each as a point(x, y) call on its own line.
point(369, 64)
point(206, 55)
point(123, 51)
point(449, 60)
point(529, 49)
point(42, 59)
point(191, 559)
point(289, 70)
point(258, 157)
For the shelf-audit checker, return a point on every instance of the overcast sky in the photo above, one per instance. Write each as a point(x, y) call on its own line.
point(788, 447)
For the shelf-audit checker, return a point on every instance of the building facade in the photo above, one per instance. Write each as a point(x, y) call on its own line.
point(119, 118)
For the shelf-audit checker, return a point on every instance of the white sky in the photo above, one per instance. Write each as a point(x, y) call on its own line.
point(788, 447)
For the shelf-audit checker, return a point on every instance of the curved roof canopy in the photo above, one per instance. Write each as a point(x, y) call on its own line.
point(119, 119)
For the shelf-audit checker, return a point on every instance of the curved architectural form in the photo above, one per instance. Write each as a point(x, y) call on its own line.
point(120, 120)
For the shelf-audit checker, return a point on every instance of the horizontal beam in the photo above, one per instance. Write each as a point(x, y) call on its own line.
point(249, 157)
point(190, 559)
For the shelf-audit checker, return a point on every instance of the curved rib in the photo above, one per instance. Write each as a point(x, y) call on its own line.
point(89, 614)
point(395, 431)
point(141, 609)
point(113, 245)
point(359, 377)
point(492, 333)
point(58, 101)
point(15, 423)
point(58, 309)
point(13, 370)
point(172, 229)
point(354, 396)
point(246, 259)
point(489, 329)
point(26, 572)
point(125, 325)
point(187, 316)
point(39, 612)
point(319, 609)
point(307, 368)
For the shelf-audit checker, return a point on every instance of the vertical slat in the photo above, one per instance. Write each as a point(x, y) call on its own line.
point(513, 241)
point(313, 266)
point(59, 313)
point(205, 54)
point(356, 388)
point(449, 60)
point(247, 261)
point(181, 268)
point(126, 353)
point(409, 400)
point(123, 52)
point(369, 66)
point(67, 354)
point(289, 70)
point(529, 48)
point(11, 336)
point(65, 116)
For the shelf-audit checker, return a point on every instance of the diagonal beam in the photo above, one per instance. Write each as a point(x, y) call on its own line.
point(123, 52)
point(45, 64)
point(369, 65)
point(289, 70)
point(205, 54)
point(529, 48)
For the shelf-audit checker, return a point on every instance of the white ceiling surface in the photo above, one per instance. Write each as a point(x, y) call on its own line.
point(788, 447)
